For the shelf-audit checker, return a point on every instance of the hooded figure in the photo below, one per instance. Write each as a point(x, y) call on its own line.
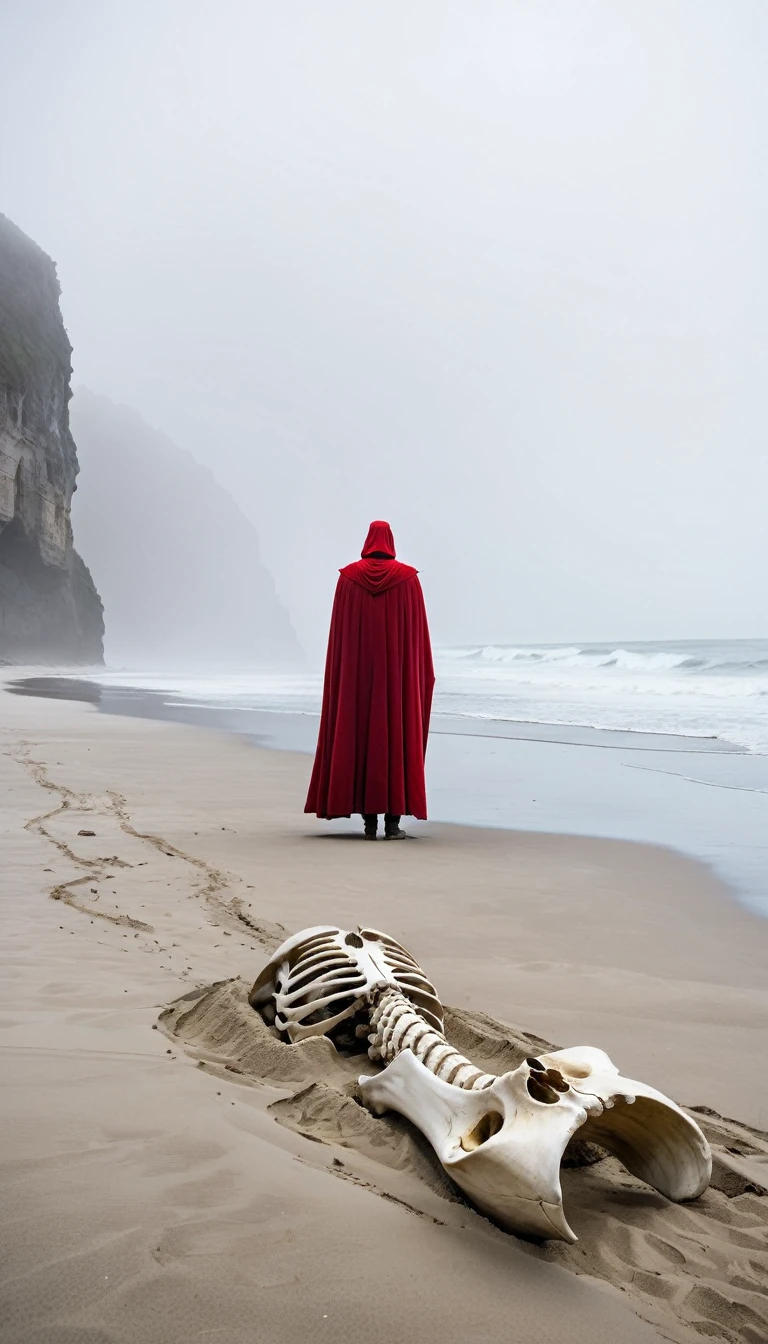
point(377, 694)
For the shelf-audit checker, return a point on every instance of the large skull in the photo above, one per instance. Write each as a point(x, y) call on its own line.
point(503, 1144)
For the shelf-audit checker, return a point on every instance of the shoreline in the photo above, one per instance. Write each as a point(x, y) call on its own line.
point(700, 797)
point(46, 677)
point(704, 913)
point(181, 1194)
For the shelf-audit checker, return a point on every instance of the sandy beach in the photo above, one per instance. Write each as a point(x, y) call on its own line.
point(167, 1177)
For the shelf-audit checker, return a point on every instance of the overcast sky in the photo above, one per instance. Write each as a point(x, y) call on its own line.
point(494, 270)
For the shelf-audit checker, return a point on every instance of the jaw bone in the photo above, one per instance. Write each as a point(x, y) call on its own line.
point(501, 1139)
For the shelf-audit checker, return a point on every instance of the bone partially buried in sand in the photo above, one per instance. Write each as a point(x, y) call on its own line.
point(500, 1138)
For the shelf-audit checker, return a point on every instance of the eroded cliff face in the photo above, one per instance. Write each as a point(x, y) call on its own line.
point(49, 608)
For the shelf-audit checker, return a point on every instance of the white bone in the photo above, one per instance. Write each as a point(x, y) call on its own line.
point(399, 1026)
point(651, 1136)
point(503, 1147)
point(501, 1139)
point(323, 975)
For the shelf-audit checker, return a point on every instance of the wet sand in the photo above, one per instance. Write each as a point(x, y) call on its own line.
point(702, 796)
point(151, 1195)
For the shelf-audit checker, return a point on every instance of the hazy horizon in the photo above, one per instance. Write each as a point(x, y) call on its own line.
point(495, 273)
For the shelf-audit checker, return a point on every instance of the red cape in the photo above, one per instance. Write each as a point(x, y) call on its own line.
point(377, 695)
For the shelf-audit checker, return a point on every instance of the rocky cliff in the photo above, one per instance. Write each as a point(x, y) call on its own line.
point(175, 559)
point(49, 608)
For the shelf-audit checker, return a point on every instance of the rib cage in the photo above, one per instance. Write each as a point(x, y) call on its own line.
point(324, 975)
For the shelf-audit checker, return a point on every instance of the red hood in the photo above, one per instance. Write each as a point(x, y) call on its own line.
point(378, 575)
point(379, 539)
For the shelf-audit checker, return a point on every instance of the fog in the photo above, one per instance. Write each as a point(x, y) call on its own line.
point(495, 271)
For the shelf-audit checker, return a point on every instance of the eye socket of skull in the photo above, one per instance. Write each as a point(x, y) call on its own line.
point(540, 1090)
point(555, 1079)
point(488, 1125)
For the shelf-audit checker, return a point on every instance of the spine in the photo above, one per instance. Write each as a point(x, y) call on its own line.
point(397, 1025)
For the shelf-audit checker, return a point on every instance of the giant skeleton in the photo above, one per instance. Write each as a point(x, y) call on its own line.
point(501, 1139)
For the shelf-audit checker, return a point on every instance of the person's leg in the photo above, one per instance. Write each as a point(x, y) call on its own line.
point(392, 828)
point(371, 824)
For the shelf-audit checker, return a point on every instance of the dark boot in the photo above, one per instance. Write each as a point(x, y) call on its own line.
point(371, 824)
point(392, 828)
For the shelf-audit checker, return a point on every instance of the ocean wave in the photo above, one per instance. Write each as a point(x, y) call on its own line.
point(692, 688)
point(709, 659)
